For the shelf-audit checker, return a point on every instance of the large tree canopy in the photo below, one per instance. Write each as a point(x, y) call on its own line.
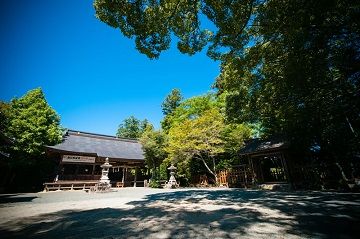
point(299, 74)
point(153, 22)
point(32, 123)
point(292, 65)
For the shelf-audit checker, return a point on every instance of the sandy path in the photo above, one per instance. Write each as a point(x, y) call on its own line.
point(186, 213)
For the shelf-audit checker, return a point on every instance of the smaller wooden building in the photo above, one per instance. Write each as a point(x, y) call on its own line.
point(262, 162)
point(80, 155)
point(268, 160)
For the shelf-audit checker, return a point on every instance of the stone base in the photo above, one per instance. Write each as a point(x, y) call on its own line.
point(275, 186)
point(171, 185)
point(102, 187)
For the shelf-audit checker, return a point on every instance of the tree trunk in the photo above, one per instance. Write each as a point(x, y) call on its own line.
point(342, 172)
point(207, 167)
point(216, 179)
point(214, 166)
point(350, 126)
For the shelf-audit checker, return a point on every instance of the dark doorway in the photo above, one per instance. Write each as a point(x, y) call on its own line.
point(272, 169)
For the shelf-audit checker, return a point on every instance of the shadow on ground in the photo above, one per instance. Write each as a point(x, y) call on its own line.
point(205, 214)
point(15, 198)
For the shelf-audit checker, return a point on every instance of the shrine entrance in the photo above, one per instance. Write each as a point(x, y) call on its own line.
point(260, 162)
point(270, 168)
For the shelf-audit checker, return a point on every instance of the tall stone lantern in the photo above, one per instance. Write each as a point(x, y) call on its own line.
point(105, 172)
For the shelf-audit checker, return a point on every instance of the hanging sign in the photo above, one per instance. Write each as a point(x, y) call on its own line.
point(78, 159)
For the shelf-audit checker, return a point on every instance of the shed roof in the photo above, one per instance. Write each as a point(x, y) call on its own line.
point(100, 145)
point(257, 146)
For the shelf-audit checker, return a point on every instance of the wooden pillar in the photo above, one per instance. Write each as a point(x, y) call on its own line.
point(93, 170)
point(123, 176)
point(59, 173)
point(286, 168)
point(261, 173)
point(253, 179)
point(76, 172)
point(135, 176)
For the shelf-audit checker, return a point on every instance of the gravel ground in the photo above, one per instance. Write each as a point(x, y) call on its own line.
point(181, 213)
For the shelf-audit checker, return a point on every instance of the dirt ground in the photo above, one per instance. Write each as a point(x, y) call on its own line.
point(181, 213)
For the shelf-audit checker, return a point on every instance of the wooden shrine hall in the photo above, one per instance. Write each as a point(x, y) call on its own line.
point(262, 162)
point(80, 155)
point(268, 160)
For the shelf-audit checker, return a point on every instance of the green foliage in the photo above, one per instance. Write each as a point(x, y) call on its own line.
point(300, 77)
point(132, 127)
point(4, 115)
point(151, 23)
point(189, 109)
point(33, 124)
point(171, 102)
point(198, 138)
point(154, 183)
point(234, 136)
point(163, 170)
point(153, 143)
point(290, 65)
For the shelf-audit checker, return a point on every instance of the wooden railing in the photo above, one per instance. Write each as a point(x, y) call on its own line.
point(69, 185)
point(81, 177)
point(235, 177)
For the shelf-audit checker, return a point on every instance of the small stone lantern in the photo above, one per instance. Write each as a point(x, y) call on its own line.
point(172, 181)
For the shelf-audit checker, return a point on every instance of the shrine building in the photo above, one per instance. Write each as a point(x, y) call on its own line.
point(80, 155)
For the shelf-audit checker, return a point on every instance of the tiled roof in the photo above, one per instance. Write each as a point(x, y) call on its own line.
point(256, 146)
point(100, 145)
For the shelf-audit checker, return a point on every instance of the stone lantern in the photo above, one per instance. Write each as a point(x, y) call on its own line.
point(172, 181)
point(105, 172)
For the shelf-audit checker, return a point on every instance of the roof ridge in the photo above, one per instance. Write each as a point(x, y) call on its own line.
point(101, 136)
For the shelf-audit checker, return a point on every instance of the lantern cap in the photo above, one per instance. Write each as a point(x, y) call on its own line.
point(172, 167)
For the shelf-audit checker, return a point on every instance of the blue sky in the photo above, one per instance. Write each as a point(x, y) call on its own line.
point(91, 74)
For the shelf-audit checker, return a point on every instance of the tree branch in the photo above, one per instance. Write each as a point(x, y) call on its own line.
point(207, 167)
point(173, 13)
point(247, 19)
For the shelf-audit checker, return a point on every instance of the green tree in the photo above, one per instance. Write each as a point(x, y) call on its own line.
point(234, 136)
point(33, 124)
point(4, 121)
point(171, 102)
point(132, 128)
point(144, 124)
point(300, 76)
point(4, 115)
point(292, 65)
point(151, 23)
point(153, 143)
point(199, 138)
point(189, 108)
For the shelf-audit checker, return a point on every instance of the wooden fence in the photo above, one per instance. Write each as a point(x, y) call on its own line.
point(239, 176)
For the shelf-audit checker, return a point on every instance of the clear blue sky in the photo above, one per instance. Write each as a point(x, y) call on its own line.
point(91, 74)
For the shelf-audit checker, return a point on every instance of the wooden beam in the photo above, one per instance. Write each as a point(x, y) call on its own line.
point(123, 176)
point(135, 176)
